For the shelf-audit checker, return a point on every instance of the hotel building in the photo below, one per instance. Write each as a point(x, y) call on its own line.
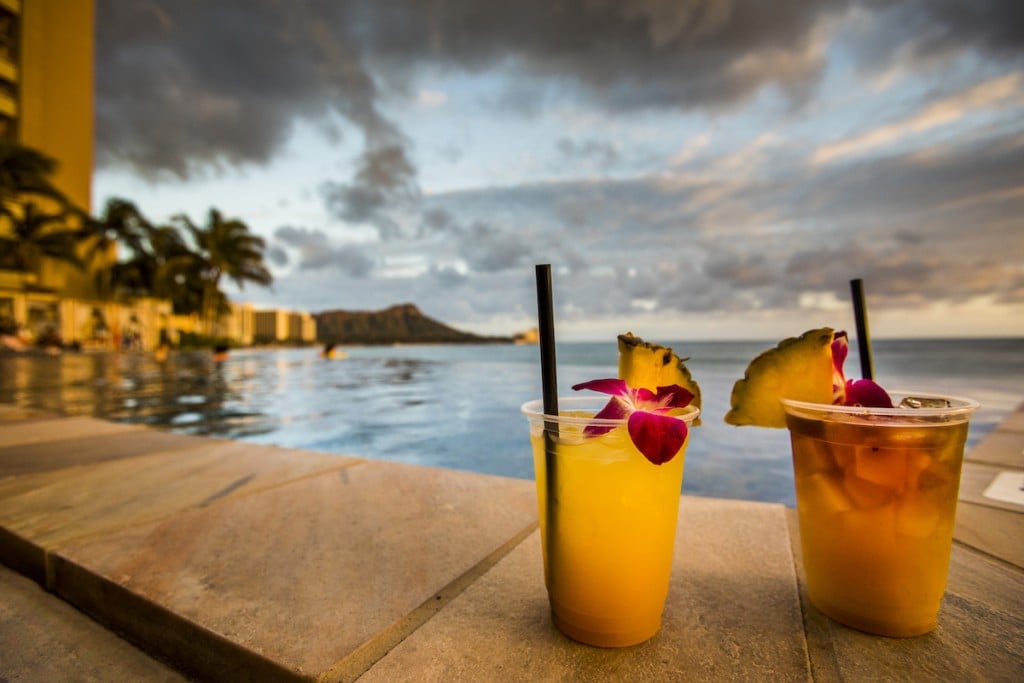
point(47, 86)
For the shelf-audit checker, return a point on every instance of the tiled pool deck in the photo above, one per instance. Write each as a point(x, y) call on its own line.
point(218, 560)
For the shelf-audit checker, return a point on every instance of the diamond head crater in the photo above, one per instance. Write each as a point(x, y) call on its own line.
point(399, 324)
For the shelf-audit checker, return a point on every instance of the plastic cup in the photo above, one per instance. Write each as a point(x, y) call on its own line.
point(607, 521)
point(876, 493)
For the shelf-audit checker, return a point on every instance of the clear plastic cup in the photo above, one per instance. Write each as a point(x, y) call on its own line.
point(608, 523)
point(876, 493)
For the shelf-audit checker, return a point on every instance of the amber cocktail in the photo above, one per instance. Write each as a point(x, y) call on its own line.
point(876, 492)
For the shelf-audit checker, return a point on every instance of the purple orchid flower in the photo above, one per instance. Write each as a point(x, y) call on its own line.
point(865, 393)
point(656, 434)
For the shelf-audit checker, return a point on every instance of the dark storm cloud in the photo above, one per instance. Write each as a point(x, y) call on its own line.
point(924, 32)
point(188, 87)
point(183, 85)
point(317, 253)
point(385, 179)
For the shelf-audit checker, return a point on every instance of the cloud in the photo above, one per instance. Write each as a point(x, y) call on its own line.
point(385, 179)
point(317, 253)
point(184, 86)
point(277, 255)
point(1001, 91)
point(922, 34)
point(590, 150)
point(430, 99)
point(714, 217)
point(436, 220)
point(916, 231)
point(487, 249)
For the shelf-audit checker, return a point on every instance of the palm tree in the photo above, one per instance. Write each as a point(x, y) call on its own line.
point(37, 213)
point(160, 264)
point(121, 223)
point(225, 248)
point(176, 270)
point(36, 234)
point(24, 170)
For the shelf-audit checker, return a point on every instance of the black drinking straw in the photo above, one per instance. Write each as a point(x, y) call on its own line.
point(549, 392)
point(860, 315)
point(546, 318)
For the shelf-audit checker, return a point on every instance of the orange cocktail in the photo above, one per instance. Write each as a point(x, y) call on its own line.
point(608, 525)
point(876, 493)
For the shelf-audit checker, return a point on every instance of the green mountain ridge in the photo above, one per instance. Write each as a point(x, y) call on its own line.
point(399, 324)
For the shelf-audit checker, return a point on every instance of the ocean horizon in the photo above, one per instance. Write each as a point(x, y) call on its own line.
point(457, 406)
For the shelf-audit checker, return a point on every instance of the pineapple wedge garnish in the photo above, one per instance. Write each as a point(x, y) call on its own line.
point(799, 368)
point(649, 366)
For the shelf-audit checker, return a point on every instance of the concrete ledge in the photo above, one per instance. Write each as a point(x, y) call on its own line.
point(9, 413)
point(45, 639)
point(996, 532)
point(975, 478)
point(978, 637)
point(991, 526)
point(39, 431)
point(45, 510)
point(301, 575)
point(71, 448)
point(733, 613)
point(233, 562)
point(1002, 448)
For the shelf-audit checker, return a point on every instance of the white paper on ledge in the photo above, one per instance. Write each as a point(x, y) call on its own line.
point(1007, 487)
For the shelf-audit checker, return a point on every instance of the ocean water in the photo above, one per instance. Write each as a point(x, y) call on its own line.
point(458, 406)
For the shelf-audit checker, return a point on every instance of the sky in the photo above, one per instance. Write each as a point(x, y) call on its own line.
point(691, 169)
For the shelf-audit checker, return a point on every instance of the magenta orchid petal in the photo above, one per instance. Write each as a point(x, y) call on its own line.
point(866, 393)
point(658, 437)
point(596, 430)
point(840, 350)
point(613, 386)
point(673, 396)
point(644, 397)
point(616, 409)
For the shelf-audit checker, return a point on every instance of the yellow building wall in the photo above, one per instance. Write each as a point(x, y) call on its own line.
point(56, 84)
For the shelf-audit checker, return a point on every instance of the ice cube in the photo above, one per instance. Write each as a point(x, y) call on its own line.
point(924, 402)
point(844, 455)
point(864, 493)
point(816, 456)
point(935, 477)
point(882, 466)
point(821, 494)
point(917, 462)
point(918, 516)
point(871, 529)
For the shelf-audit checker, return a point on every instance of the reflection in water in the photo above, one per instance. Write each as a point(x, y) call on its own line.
point(384, 404)
point(458, 407)
point(253, 393)
point(127, 387)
